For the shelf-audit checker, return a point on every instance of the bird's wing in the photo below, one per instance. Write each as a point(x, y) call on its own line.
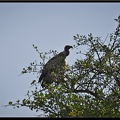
point(55, 62)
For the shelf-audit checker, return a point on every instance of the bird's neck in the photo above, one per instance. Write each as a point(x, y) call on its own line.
point(67, 52)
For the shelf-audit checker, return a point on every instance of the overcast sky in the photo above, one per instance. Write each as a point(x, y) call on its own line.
point(48, 26)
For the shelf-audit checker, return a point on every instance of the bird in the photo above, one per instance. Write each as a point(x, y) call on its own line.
point(53, 70)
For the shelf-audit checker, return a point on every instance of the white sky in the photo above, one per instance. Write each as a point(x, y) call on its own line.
point(50, 26)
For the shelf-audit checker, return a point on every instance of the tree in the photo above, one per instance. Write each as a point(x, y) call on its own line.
point(92, 83)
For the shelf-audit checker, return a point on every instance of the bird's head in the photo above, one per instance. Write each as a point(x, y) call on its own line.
point(66, 49)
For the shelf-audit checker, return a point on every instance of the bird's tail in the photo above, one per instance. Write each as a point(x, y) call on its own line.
point(41, 77)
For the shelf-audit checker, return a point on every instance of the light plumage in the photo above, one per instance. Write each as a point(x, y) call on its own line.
point(53, 70)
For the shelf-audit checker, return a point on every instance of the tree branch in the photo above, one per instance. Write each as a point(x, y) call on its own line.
point(86, 91)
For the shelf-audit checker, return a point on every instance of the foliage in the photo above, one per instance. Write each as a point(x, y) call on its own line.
point(92, 84)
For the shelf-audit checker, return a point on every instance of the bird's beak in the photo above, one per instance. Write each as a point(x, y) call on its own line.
point(71, 46)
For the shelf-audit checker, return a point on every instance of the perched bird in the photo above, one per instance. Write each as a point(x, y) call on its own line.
point(53, 70)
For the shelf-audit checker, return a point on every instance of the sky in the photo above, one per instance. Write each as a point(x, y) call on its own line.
point(50, 26)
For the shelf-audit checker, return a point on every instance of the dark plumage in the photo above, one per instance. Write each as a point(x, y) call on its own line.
point(54, 69)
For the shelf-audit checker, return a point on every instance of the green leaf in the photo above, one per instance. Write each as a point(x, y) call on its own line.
point(33, 82)
point(17, 106)
point(18, 101)
point(29, 68)
point(116, 19)
point(24, 101)
point(10, 103)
